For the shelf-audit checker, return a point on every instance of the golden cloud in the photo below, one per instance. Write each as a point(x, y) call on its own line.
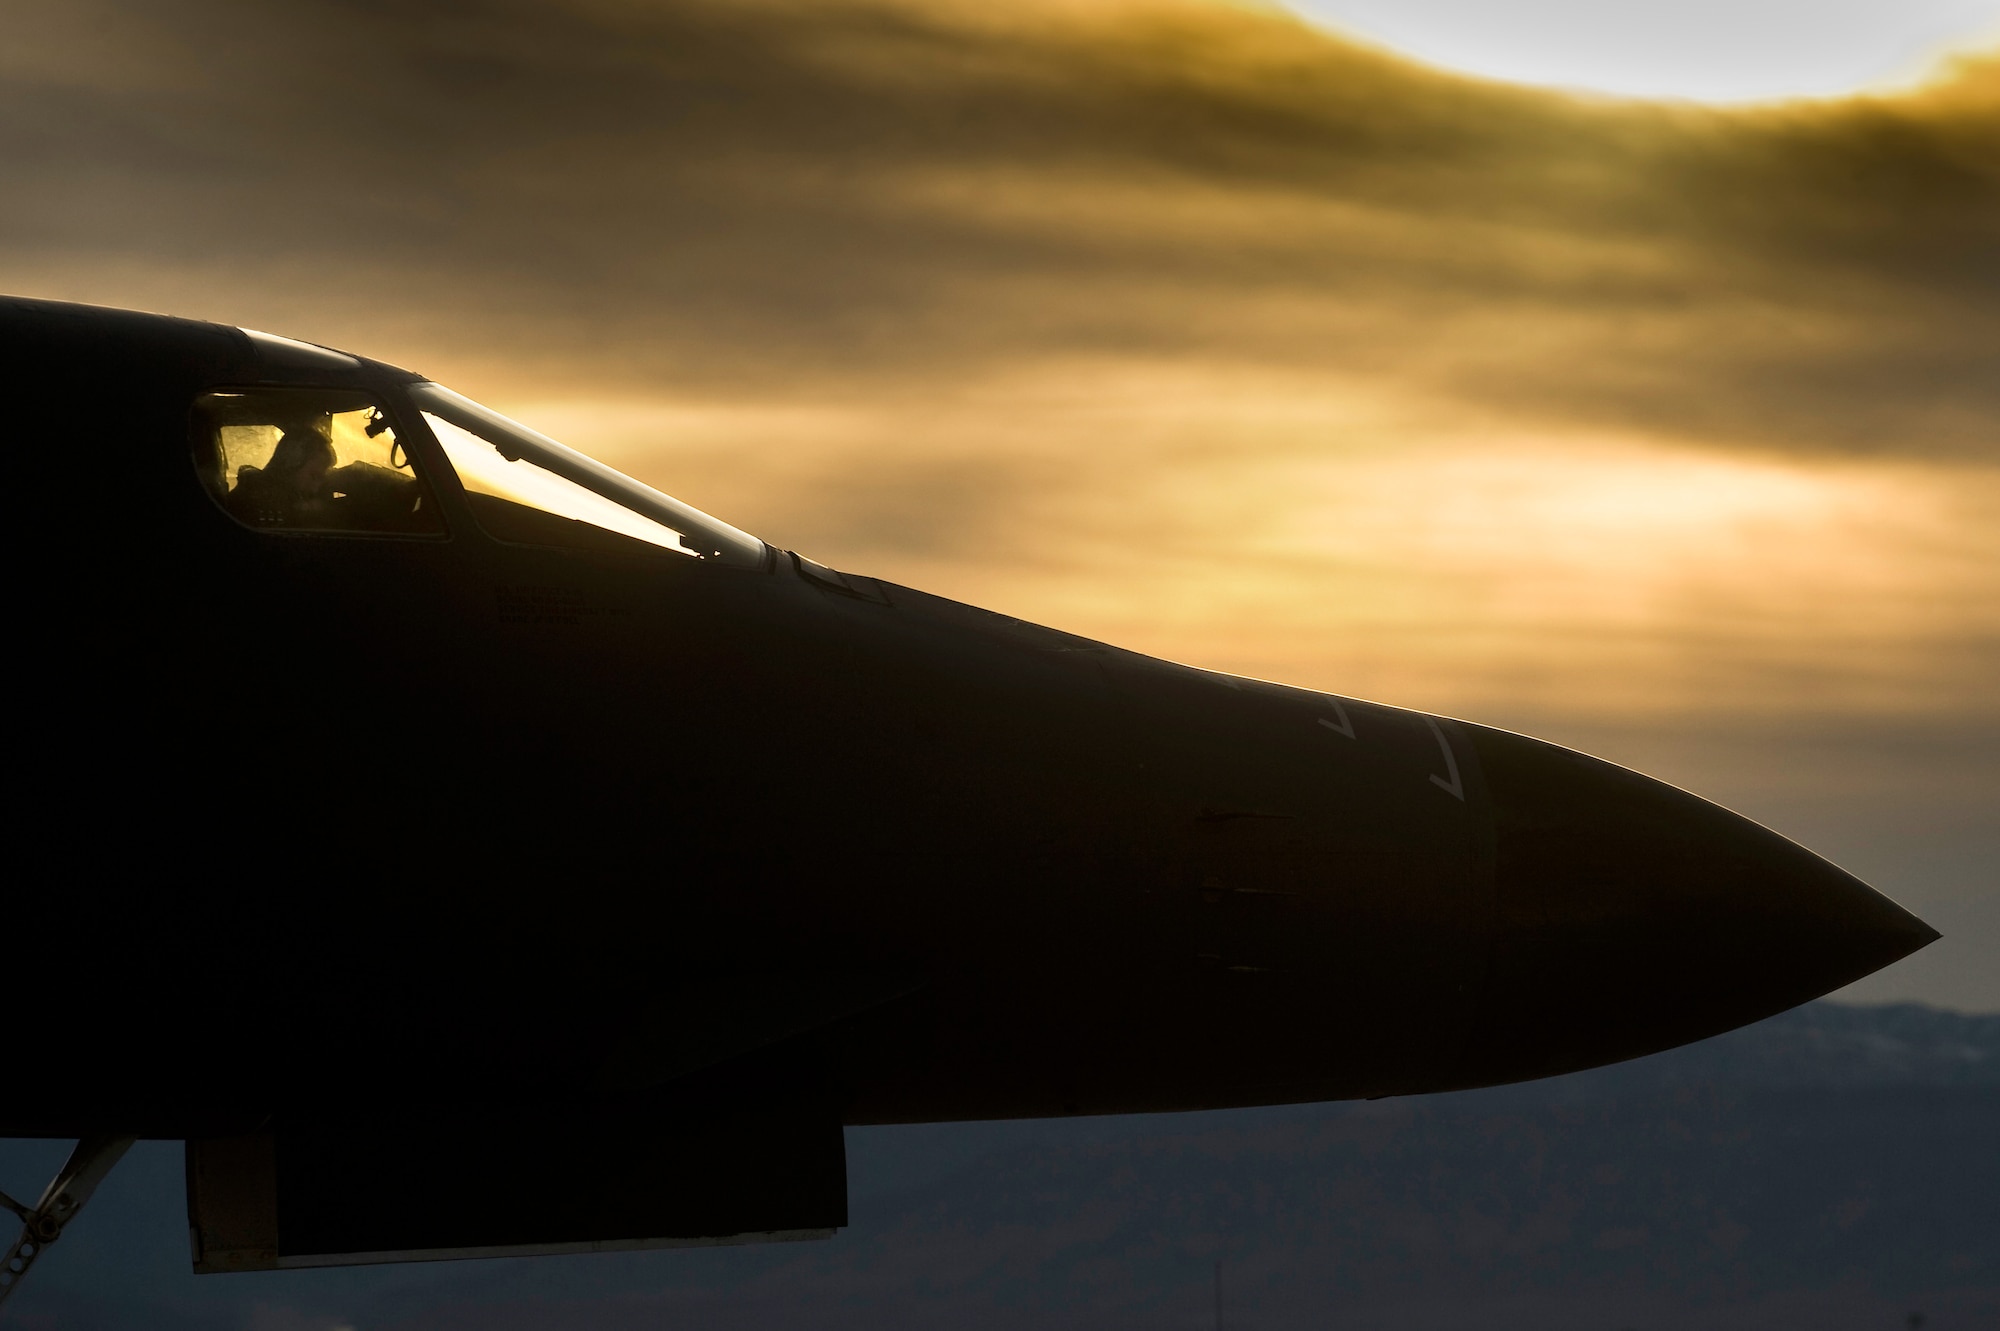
point(1179, 323)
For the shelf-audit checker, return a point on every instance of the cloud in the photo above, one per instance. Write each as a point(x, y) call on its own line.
point(773, 197)
point(1179, 323)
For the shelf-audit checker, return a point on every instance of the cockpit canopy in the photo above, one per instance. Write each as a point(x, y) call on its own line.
point(520, 481)
point(322, 460)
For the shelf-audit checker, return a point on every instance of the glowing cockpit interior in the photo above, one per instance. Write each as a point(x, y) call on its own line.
point(310, 460)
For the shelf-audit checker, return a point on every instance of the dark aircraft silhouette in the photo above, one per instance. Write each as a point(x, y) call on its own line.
point(467, 849)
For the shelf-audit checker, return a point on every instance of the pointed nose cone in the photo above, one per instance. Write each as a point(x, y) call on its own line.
point(1633, 916)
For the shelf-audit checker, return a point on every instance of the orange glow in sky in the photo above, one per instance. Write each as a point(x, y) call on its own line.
point(1702, 50)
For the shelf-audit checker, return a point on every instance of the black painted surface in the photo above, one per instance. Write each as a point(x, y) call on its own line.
point(419, 823)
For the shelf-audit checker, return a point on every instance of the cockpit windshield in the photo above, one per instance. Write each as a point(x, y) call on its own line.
point(526, 487)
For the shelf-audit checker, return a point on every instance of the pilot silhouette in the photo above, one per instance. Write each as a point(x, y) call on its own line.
point(290, 490)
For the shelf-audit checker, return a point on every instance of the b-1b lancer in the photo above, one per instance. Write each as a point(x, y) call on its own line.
point(466, 849)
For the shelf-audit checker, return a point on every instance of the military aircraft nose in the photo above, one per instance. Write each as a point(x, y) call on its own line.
point(1634, 916)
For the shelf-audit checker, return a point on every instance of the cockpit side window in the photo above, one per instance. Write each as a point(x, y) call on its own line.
point(310, 460)
point(525, 487)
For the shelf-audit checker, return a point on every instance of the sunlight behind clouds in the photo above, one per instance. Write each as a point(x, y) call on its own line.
point(1701, 50)
point(1282, 531)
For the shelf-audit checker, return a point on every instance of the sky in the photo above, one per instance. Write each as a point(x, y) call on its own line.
point(1700, 50)
point(1661, 429)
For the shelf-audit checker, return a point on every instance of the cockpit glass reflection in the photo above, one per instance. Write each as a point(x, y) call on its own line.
point(526, 487)
point(309, 460)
